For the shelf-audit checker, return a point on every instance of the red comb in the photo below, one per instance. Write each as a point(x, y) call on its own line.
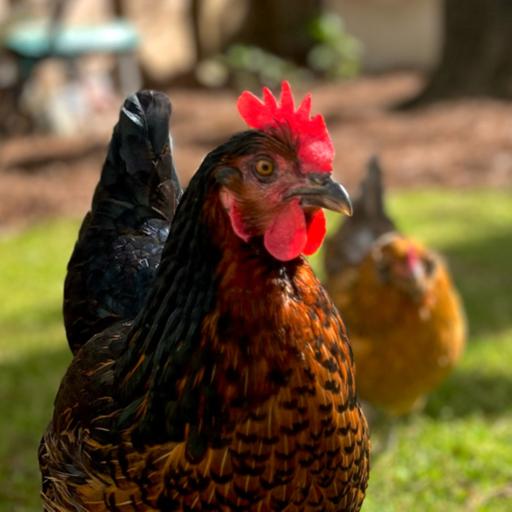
point(315, 145)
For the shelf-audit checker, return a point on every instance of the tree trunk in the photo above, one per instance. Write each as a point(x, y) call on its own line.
point(195, 21)
point(280, 27)
point(118, 8)
point(476, 58)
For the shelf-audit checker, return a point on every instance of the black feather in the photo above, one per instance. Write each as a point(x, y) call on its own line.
point(122, 237)
point(351, 242)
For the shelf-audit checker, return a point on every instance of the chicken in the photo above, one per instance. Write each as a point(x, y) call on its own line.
point(403, 314)
point(233, 388)
point(122, 237)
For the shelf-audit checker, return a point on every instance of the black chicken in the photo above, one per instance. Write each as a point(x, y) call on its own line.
point(121, 239)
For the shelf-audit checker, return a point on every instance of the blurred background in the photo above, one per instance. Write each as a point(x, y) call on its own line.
point(425, 84)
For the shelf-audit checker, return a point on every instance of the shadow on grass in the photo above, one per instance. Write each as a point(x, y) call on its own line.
point(27, 389)
point(482, 271)
point(471, 392)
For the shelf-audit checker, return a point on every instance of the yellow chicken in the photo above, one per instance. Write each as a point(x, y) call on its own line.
point(403, 314)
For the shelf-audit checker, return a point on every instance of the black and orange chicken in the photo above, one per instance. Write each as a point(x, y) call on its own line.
point(402, 311)
point(234, 387)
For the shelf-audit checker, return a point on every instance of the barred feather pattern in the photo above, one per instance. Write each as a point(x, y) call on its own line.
point(303, 448)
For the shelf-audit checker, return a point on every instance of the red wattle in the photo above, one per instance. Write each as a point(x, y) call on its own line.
point(316, 233)
point(287, 235)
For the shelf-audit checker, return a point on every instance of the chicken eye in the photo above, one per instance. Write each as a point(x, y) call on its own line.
point(429, 265)
point(264, 167)
point(383, 271)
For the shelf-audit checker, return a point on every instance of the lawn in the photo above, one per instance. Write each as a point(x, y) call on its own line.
point(455, 456)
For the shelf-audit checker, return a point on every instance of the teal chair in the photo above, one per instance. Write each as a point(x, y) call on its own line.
point(32, 42)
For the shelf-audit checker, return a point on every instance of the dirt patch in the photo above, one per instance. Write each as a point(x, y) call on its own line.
point(467, 143)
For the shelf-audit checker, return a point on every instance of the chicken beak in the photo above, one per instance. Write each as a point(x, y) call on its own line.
point(321, 191)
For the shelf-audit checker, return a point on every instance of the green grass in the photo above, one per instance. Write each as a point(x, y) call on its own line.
point(33, 353)
point(455, 456)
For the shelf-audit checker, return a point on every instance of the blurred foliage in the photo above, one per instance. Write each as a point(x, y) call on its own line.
point(455, 456)
point(335, 55)
point(250, 66)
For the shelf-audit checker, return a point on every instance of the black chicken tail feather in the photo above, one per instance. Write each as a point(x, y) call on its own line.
point(121, 238)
